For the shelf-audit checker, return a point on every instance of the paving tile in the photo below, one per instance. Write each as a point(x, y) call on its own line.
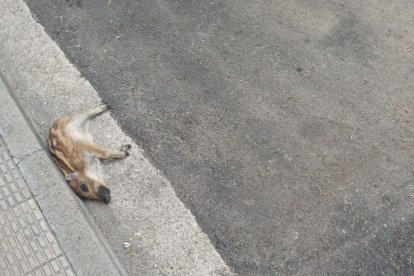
point(27, 245)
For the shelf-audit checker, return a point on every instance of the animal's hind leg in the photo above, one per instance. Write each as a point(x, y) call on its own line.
point(94, 112)
point(82, 118)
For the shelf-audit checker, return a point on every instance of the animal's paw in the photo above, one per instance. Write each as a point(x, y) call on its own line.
point(100, 109)
point(126, 148)
point(105, 106)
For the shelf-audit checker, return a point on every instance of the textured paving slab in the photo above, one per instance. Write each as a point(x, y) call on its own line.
point(27, 245)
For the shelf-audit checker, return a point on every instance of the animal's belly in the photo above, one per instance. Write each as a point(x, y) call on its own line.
point(82, 136)
point(94, 167)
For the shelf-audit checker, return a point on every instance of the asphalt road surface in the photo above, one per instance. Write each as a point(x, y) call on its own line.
point(285, 126)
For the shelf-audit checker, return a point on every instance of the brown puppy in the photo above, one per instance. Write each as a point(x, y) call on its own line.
point(78, 157)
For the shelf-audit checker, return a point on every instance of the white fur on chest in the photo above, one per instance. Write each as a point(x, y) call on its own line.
point(79, 132)
point(94, 170)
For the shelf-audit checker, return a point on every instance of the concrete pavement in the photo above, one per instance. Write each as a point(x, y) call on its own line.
point(286, 127)
point(27, 243)
point(163, 236)
point(44, 229)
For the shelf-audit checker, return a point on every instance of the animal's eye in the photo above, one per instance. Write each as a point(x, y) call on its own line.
point(84, 187)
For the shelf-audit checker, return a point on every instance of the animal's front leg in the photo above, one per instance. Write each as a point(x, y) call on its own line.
point(108, 154)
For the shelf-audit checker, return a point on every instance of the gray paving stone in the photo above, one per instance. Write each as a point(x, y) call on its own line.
point(27, 245)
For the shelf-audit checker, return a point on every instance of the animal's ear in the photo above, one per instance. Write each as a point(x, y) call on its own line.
point(72, 176)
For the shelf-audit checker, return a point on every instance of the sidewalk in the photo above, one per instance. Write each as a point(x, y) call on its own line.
point(27, 243)
point(44, 228)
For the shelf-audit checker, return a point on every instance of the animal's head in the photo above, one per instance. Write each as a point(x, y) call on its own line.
point(87, 187)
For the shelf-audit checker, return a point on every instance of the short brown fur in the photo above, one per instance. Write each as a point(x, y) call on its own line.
point(78, 157)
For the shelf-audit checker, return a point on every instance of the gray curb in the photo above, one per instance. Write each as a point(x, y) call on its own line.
point(72, 224)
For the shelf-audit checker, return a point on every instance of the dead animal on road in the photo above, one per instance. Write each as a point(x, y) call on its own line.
point(78, 157)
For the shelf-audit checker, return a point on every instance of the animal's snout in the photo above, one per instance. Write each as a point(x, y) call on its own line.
point(104, 194)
